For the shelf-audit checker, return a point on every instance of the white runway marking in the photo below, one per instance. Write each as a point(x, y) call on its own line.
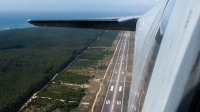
point(120, 88)
point(122, 72)
point(118, 102)
point(111, 89)
point(123, 63)
point(134, 107)
point(115, 71)
point(107, 101)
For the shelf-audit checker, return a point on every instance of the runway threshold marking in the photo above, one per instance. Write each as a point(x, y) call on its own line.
point(120, 88)
point(118, 102)
point(111, 88)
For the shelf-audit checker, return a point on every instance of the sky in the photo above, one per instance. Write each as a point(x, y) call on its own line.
point(15, 13)
point(75, 5)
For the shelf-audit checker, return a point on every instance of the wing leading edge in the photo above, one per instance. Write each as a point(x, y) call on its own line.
point(108, 24)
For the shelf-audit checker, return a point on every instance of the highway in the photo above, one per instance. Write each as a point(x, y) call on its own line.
point(113, 101)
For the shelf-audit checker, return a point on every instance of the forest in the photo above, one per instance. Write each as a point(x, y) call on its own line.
point(30, 57)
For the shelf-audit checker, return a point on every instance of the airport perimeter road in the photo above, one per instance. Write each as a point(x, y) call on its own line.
point(113, 101)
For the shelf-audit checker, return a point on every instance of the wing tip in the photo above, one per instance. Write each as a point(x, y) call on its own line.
point(30, 21)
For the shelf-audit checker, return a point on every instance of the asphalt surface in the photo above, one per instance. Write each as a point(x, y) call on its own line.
point(113, 101)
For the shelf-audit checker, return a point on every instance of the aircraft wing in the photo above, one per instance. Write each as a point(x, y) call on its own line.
point(128, 23)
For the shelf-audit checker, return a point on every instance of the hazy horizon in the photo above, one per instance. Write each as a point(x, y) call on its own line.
point(14, 14)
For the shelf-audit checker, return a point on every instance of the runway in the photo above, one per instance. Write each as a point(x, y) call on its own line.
point(113, 101)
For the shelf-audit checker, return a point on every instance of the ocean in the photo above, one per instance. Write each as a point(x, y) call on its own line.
point(12, 20)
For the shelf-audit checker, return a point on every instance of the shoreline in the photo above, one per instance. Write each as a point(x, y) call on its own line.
point(14, 28)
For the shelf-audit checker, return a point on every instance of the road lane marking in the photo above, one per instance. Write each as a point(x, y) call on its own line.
point(107, 101)
point(111, 89)
point(120, 88)
point(118, 102)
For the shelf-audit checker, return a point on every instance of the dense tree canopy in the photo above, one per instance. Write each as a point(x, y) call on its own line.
point(30, 57)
